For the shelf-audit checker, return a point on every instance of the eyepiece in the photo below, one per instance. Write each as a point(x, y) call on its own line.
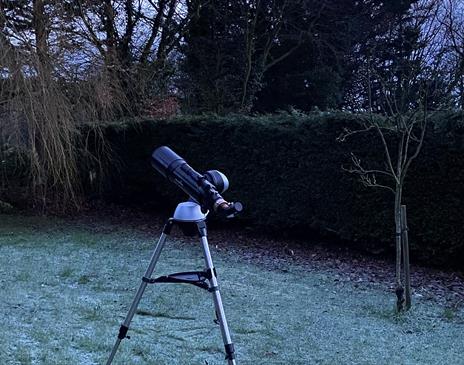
point(229, 210)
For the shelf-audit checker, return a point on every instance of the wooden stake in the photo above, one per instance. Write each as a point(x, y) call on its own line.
point(405, 244)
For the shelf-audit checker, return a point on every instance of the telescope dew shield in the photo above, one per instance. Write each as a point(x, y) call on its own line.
point(164, 160)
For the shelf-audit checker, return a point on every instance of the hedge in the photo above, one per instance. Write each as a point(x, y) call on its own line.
point(286, 169)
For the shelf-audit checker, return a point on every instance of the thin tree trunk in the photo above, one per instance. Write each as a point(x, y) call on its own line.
point(399, 287)
point(246, 80)
point(250, 47)
point(37, 122)
point(461, 91)
point(41, 34)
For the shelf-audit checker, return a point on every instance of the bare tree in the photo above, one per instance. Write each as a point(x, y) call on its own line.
point(400, 119)
point(37, 107)
point(402, 137)
point(65, 62)
point(452, 19)
point(133, 41)
point(35, 110)
point(267, 24)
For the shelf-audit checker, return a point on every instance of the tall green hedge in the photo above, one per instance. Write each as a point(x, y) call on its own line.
point(287, 170)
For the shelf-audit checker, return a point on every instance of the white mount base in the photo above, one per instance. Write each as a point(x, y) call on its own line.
point(189, 212)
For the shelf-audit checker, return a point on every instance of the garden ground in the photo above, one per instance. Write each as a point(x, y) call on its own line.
point(66, 286)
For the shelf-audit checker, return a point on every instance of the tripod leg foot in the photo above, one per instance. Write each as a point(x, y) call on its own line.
point(230, 353)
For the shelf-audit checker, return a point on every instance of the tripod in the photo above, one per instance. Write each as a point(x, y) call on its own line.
point(189, 217)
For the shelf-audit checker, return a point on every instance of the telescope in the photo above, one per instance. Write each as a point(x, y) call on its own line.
point(205, 195)
point(205, 190)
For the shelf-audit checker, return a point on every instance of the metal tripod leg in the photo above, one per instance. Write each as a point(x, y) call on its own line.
point(214, 289)
point(151, 267)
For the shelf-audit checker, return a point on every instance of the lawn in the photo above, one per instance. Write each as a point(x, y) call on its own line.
point(66, 286)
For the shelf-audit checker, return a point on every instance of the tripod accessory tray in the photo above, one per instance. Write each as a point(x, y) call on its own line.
point(197, 278)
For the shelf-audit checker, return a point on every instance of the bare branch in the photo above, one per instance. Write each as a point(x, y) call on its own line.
point(419, 146)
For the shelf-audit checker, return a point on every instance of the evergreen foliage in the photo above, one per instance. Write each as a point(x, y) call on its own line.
point(287, 170)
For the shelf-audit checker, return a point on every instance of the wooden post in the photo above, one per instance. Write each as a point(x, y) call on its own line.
point(405, 244)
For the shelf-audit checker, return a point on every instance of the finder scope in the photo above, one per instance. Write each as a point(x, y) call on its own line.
point(204, 189)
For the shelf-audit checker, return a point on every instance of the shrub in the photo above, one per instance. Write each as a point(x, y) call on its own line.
point(286, 169)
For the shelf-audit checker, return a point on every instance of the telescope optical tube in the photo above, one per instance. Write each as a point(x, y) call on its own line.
point(201, 188)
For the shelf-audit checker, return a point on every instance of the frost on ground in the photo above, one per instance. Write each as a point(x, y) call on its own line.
point(66, 287)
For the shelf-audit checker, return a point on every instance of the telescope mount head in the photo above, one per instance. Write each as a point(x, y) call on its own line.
point(189, 211)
